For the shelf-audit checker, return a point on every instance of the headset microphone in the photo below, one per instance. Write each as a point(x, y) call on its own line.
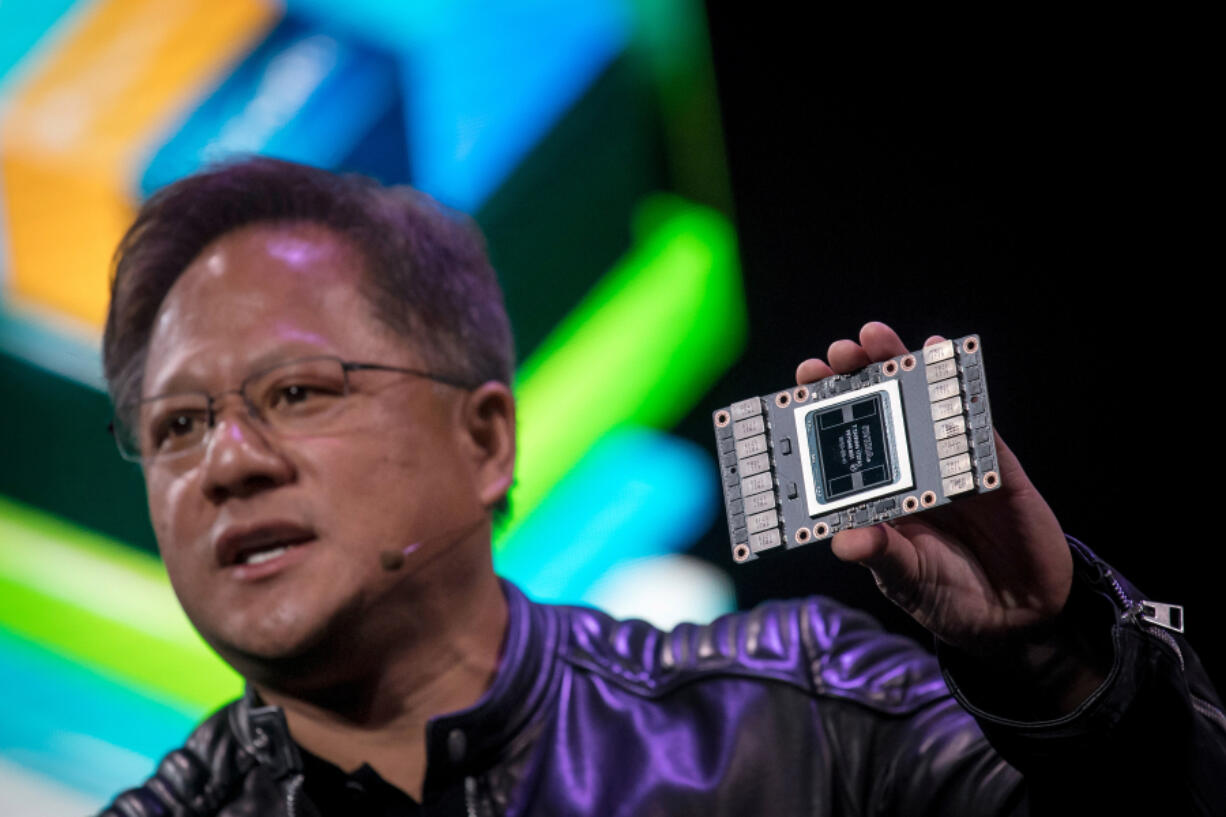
point(393, 560)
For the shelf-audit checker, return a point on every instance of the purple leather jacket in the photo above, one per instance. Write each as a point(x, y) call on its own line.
point(801, 707)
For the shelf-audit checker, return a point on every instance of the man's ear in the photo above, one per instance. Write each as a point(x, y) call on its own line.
point(489, 425)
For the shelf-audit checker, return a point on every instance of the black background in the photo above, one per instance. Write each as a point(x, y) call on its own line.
point(1048, 191)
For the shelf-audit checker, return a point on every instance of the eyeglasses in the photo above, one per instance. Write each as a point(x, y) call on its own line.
point(302, 397)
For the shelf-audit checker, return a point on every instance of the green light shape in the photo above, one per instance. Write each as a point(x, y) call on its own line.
point(107, 606)
point(644, 345)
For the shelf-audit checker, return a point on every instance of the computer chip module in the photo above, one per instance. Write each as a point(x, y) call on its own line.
point(898, 437)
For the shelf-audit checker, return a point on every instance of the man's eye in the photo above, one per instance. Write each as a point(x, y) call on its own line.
point(299, 396)
point(173, 429)
point(295, 394)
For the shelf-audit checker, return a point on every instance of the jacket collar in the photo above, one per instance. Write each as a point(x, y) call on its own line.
point(458, 743)
point(263, 733)
point(477, 737)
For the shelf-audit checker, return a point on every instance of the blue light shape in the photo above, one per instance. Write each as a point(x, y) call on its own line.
point(483, 88)
point(392, 25)
point(23, 23)
point(303, 95)
point(78, 727)
point(484, 80)
point(39, 341)
point(636, 493)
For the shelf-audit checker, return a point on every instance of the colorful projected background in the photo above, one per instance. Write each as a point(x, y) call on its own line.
point(585, 139)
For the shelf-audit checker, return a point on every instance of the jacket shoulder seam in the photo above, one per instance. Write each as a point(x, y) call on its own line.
point(657, 687)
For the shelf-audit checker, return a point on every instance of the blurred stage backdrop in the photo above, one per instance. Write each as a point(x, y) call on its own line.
point(588, 141)
point(585, 139)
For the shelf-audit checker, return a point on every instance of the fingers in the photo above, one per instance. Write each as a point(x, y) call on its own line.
point(812, 370)
point(860, 544)
point(877, 342)
point(881, 342)
point(847, 356)
point(884, 551)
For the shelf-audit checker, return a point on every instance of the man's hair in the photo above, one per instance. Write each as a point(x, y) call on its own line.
point(427, 275)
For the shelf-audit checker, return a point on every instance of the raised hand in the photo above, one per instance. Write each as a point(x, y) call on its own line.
point(979, 573)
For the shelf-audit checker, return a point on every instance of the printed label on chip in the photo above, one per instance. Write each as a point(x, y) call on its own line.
point(750, 446)
point(759, 502)
point(749, 427)
point(755, 464)
point(765, 540)
point(746, 408)
point(943, 390)
point(947, 408)
point(958, 485)
point(950, 446)
point(756, 484)
point(761, 521)
point(938, 352)
point(950, 427)
point(855, 445)
point(955, 465)
point(941, 371)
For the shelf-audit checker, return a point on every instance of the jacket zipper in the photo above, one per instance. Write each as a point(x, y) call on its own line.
point(470, 796)
point(291, 795)
point(1147, 614)
point(1209, 711)
point(1170, 642)
point(1169, 616)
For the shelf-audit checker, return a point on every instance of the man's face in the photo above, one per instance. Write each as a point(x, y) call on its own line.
point(398, 472)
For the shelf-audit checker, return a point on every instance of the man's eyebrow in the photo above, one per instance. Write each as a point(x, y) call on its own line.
point(275, 357)
point(181, 382)
point(185, 382)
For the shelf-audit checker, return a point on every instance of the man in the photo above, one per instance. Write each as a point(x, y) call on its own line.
point(313, 372)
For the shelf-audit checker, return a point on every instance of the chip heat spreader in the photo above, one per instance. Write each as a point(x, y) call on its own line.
point(897, 437)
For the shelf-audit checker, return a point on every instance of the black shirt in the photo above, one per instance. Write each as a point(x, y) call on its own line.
point(363, 792)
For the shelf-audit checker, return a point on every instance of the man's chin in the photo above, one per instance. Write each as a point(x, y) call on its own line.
point(285, 652)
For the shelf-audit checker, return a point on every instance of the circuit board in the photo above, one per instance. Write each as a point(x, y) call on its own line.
point(897, 437)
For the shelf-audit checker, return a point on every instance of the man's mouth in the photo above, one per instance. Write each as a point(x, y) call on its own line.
point(256, 557)
point(259, 543)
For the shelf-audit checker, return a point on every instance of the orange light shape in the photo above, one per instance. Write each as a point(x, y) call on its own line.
point(79, 126)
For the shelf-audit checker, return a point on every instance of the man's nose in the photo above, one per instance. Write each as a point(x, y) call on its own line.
point(241, 457)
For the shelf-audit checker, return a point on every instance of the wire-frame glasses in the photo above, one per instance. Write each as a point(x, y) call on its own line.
point(301, 397)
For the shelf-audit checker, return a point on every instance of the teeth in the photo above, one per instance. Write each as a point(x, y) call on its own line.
point(264, 555)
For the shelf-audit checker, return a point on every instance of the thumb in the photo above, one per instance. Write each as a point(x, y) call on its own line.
point(886, 553)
